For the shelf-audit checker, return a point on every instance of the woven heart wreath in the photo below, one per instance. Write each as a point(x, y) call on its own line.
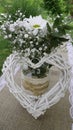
point(37, 105)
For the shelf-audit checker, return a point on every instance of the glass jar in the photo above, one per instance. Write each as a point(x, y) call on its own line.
point(35, 80)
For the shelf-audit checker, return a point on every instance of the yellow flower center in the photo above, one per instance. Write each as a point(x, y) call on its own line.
point(36, 26)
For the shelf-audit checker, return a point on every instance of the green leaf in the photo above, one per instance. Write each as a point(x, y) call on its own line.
point(58, 37)
point(68, 27)
point(63, 39)
point(72, 43)
point(61, 30)
point(48, 27)
point(55, 34)
point(57, 22)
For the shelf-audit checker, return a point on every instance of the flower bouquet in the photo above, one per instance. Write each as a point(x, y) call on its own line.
point(35, 38)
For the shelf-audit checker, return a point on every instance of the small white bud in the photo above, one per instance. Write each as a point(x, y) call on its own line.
point(45, 47)
point(31, 42)
point(5, 37)
point(36, 43)
point(9, 35)
point(40, 48)
point(26, 35)
point(20, 14)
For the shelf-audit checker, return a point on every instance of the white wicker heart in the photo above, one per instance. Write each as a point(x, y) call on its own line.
point(37, 105)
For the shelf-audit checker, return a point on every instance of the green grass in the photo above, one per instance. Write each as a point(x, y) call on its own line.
point(72, 29)
point(28, 7)
point(5, 51)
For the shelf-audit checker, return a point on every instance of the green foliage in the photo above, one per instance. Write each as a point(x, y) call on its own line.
point(56, 6)
point(38, 72)
point(71, 8)
point(71, 32)
point(4, 5)
point(5, 50)
point(56, 34)
point(28, 7)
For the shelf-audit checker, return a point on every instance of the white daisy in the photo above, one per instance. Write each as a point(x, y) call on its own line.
point(37, 23)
